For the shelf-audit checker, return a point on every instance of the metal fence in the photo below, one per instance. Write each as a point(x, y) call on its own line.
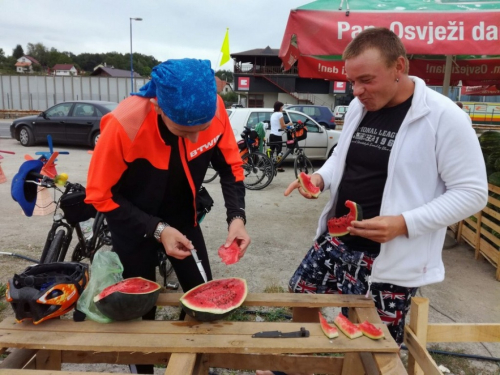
point(23, 92)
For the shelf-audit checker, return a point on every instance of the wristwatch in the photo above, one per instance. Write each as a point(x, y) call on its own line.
point(159, 228)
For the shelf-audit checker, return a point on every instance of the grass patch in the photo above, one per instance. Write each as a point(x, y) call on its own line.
point(274, 288)
point(238, 315)
point(3, 303)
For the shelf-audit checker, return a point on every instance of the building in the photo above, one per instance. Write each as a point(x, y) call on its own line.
point(105, 71)
point(25, 64)
point(260, 81)
point(64, 70)
point(223, 87)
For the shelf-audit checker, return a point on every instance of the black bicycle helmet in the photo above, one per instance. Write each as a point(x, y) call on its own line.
point(45, 291)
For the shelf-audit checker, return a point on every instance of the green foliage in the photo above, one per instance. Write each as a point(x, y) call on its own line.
point(494, 178)
point(238, 315)
point(18, 52)
point(230, 97)
point(225, 75)
point(3, 303)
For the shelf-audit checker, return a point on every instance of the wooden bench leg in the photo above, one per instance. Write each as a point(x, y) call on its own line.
point(182, 363)
point(48, 360)
point(305, 315)
point(419, 315)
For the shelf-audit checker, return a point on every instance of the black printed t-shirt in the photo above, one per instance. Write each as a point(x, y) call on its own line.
point(365, 171)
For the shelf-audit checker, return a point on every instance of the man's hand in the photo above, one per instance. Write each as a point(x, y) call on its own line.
point(316, 180)
point(175, 243)
point(238, 232)
point(379, 229)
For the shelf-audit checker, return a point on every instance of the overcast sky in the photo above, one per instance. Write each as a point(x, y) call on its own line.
point(169, 29)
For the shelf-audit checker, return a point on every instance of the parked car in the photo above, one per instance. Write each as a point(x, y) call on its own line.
point(340, 111)
point(73, 122)
point(321, 114)
point(320, 141)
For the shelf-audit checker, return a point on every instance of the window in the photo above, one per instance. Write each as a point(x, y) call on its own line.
point(311, 126)
point(256, 117)
point(83, 110)
point(255, 100)
point(59, 110)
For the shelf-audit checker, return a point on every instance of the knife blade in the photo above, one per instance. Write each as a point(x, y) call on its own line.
point(198, 263)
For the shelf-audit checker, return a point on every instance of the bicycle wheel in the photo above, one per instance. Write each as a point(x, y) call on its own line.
point(258, 170)
point(165, 267)
point(54, 248)
point(210, 175)
point(302, 164)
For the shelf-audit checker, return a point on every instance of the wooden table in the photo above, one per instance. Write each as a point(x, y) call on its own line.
point(191, 347)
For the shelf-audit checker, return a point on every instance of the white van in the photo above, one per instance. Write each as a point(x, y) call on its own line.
point(340, 111)
point(320, 141)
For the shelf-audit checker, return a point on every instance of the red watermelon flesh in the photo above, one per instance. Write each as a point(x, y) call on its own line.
point(214, 299)
point(133, 285)
point(231, 254)
point(307, 185)
point(337, 226)
point(371, 331)
point(347, 327)
point(330, 331)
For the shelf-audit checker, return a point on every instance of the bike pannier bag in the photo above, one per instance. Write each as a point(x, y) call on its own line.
point(75, 209)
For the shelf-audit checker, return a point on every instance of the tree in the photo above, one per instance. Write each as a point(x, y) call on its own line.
point(18, 52)
point(39, 52)
point(225, 75)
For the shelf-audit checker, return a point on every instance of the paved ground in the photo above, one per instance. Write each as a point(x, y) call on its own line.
point(281, 228)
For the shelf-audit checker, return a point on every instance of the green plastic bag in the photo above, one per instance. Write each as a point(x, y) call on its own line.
point(105, 270)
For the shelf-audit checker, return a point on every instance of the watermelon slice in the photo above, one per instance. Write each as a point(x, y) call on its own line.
point(231, 254)
point(338, 226)
point(369, 330)
point(347, 327)
point(330, 331)
point(306, 184)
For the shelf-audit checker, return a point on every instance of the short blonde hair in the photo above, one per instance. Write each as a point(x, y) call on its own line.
point(384, 40)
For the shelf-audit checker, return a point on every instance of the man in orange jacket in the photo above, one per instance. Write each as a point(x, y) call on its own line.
point(148, 166)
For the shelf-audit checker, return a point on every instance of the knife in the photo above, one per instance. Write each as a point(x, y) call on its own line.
point(198, 263)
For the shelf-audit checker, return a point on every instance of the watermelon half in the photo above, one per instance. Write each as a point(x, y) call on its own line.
point(369, 330)
point(349, 329)
point(330, 331)
point(337, 226)
point(128, 299)
point(215, 299)
point(307, 185)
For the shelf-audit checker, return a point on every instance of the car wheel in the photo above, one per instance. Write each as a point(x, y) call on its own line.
point(95, 138)
point(26, 136)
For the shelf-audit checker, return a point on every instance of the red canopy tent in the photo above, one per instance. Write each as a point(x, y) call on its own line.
point(446, 42)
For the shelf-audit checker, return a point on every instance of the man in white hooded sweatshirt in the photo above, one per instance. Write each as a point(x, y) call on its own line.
point(409, 156)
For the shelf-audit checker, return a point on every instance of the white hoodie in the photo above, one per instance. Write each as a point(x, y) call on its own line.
point(436, 177)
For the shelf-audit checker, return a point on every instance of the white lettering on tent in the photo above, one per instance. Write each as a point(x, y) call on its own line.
point(429, 32)
point(346, 27)
point(327, 69)
point(480, 32)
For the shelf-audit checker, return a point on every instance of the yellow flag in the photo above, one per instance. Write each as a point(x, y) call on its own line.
point(225, 49)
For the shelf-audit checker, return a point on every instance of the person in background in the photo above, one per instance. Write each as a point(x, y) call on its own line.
point(409, 156)
point(460, 105)
point(277, 126)
point(148, 166)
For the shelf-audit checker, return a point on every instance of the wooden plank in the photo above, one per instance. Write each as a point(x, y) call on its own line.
point(470, 222)
point(494, 189)
point(48, 360)
point(463, 332)
point(490, 236)
point(495, 202)
point(286, 363)
point(387, 363)
point(477, 237)
point(494, 214)
point(419, 315)
point(304, 314)
point(286, 300)
point(489, 251)
point(18, 358)
point(181, 363)
point(492, 226)
point(52, 372)
point(420, 353)
point(468, 235)
point(217, 337)
point(202, 366)
point(70, 356)
point(352, 365)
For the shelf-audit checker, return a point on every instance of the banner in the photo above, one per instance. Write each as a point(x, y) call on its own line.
point(446, 33)
point(481, 90)
point(470, 72)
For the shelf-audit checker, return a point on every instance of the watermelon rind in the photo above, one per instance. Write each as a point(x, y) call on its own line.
point(211, 313)
point(329, 331)
point(355, 213)
point(304, 180)
point(127, 305)
point(347, 327)
point(369, 330)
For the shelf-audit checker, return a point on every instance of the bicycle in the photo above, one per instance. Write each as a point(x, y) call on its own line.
point(210, 175)
point(258, 168)
point(295, 133)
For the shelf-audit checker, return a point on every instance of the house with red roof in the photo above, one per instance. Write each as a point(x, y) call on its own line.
point(64, 70)
point(25, 64)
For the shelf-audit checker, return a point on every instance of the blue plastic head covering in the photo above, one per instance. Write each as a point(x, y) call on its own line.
point(185, 90)
point(22, 193)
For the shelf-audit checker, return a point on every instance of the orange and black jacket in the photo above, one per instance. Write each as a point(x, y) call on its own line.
point(137, 161)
